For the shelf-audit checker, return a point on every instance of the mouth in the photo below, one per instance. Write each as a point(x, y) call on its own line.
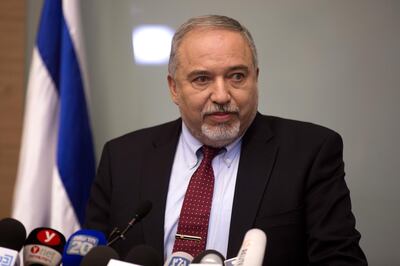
point(221, 117)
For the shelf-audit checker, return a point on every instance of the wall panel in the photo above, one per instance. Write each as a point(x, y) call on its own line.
point(12, 70)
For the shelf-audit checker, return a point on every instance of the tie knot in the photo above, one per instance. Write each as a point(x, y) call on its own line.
point(210, 152)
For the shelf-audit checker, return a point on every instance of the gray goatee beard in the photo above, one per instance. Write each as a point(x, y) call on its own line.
point(222, 134)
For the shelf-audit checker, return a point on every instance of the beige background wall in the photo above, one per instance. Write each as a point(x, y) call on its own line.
point(12, 69)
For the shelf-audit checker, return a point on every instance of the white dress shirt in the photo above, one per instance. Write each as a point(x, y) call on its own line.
point(225, 166)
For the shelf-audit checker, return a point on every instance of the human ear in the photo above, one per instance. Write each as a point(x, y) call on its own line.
point(173, 89)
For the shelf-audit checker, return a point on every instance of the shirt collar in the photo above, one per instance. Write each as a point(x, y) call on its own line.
point(192, 154)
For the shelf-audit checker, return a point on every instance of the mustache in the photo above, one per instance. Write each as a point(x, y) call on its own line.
point(219, 108)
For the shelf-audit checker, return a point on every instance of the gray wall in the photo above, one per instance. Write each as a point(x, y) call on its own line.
point(335, 63)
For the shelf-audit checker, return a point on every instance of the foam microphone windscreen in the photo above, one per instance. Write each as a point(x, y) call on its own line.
point(12, 237)
point(12, 234)
point(79, 244)
point(44, 246)
point(144, 255)
point(143, 210)
point(99, 256)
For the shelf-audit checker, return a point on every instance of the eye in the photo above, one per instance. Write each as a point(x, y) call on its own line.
point(201, 80)
point(237, 77)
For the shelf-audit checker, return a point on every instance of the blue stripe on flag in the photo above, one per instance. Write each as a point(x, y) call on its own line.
point(75, 152)
point(49, 39)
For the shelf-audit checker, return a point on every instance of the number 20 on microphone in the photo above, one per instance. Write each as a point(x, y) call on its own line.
point(81, 244)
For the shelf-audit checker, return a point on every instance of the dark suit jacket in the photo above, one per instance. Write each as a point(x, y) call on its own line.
point(290, 183)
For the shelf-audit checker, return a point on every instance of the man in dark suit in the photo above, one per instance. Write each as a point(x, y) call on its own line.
point(282, 176)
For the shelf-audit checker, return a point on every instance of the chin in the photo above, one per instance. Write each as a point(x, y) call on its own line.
point(220, 135)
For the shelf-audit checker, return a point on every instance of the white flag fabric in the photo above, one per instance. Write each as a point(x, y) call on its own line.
point(56, 165)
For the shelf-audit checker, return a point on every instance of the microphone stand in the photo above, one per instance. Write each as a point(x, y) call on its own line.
point(141, 212)
point(121, 235)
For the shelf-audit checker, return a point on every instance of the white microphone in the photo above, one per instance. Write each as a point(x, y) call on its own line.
point(253, 248)
point(230, 262)
point(9, 257)
point(114, 262)
point(179, 258)
point(209, 257)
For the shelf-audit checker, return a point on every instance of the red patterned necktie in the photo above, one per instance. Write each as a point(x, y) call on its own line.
point(192, 231)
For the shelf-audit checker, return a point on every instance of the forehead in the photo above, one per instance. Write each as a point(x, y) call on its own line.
point(213, 45)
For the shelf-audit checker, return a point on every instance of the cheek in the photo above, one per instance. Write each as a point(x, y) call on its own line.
point(195, 101)
point(245, 99)
point(191, 106)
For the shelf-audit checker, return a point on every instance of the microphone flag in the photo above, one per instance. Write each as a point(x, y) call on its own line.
point(56, 164)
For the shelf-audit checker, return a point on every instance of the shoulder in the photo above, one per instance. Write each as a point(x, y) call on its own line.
point(294, 132)
point(279, 124)
point(147, 136)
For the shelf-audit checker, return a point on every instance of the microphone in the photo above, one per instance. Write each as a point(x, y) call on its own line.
point(209, 257)
point(179, 258)
point(114, 262)
point(79, 244)
point(12, 237)
point(43, 246)
point(140, 213)
point(144, 255)
point(253, 248)
point(230, 262)
point(99, 256)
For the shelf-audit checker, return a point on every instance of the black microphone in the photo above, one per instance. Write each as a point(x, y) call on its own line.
point(12, 238)
point(44, 246)
point(99, 256)
point(144, 255)
point(209, 256)
point(140, 213)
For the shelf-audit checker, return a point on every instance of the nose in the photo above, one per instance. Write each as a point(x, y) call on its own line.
point(220, 93)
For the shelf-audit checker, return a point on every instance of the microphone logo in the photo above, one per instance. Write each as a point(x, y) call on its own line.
point(49, 237)
point(81, 244)
point(42, 254)
point(179, 261)
point(6, 260)
point(35, 249)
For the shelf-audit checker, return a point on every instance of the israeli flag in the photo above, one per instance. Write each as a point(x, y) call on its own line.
point(56, 165)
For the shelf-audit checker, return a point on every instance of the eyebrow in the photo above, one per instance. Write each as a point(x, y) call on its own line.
point(195, 73)
point(239, 67)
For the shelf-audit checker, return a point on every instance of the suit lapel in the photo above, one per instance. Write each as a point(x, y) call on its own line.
point(155, 181)
point(257, 158)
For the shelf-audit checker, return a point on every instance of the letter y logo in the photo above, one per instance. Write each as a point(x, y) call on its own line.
point(48, 237)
